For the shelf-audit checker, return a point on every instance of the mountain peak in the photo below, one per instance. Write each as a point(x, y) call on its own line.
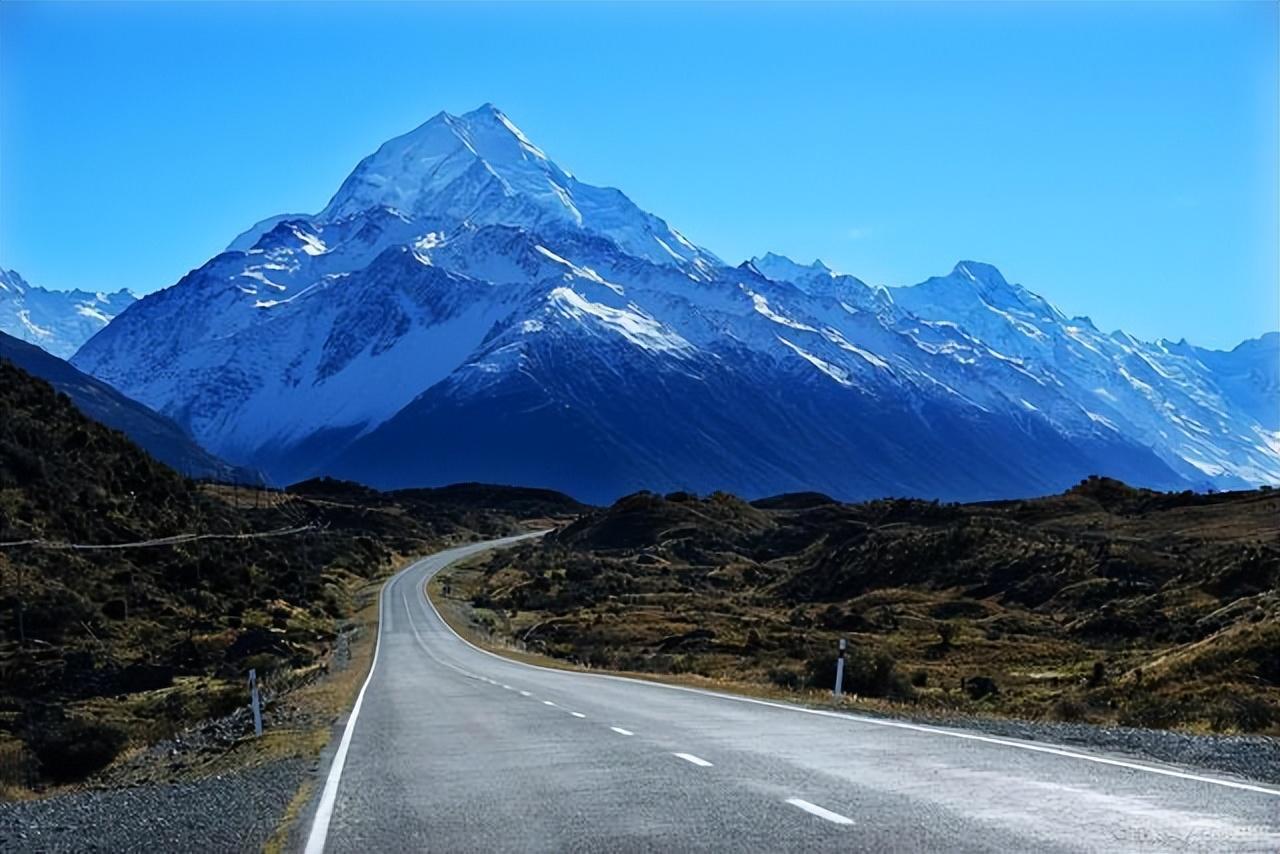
point(781, 268)
point(980, 273)
point(480, 168)
point(488, 111)
point(11, 280)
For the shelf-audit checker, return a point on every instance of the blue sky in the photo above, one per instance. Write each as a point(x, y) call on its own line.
point(1119, 159)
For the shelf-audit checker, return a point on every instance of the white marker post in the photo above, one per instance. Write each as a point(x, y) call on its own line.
point(255, 702)
point(840, 670)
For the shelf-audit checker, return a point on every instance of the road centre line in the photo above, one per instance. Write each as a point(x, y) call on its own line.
point(689, 757)
point(820, 812)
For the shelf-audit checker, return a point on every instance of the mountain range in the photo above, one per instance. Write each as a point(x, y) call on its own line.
point(465, 309)
point(57, 321)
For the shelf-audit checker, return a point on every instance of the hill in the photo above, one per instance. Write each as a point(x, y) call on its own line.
point(1106, 603)
point(159, 436)
point(103, 648)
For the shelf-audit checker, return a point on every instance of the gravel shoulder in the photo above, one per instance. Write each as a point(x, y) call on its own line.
point(212, 788)
point(231, 812)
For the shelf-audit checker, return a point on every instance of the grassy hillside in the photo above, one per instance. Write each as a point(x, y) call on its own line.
point(160, 436)
point(167, 633)
point(1106, 604)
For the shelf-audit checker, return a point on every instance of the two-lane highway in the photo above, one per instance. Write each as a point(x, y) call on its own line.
point(451, 748)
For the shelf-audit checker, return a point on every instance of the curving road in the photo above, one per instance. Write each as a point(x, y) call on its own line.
point(451, 748)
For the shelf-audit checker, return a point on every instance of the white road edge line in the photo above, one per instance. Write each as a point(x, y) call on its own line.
point(319, 833)
point(696, 760)
point(620, 731)
point(814, 809)
point(866, 721)
point(324, 810)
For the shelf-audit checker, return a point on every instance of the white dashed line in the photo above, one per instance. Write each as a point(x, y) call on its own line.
point(508, 687)
point(547, 703)
point(525, 694)
point(620, 731)
point(814, 809)
point(578, 714)
point(689, 757)
point(866, 721)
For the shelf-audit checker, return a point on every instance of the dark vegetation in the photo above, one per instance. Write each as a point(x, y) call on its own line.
point(159, 436)
point(102, 649)
point(1104, 604)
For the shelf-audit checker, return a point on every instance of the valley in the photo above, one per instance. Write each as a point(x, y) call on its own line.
point(616, 428)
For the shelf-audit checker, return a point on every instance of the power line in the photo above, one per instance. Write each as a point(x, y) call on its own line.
point(176, 539)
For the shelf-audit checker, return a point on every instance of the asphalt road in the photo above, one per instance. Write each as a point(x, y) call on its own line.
point(451, 748)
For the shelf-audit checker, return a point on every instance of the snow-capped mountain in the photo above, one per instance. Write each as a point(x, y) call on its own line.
point(1178, 401)
point(463, 308)
point(1249, 374)
point(56, 321)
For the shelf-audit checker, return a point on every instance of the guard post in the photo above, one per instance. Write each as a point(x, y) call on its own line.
point(839, 690)
point(256, 702)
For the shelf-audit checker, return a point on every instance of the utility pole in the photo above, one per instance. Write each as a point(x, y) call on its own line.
point(839, 689)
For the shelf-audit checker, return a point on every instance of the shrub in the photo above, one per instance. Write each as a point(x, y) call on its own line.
point(978, 687)
point(919, 678)
point(1069, 709)
point(1152, 712)
point(1245, 714)
point(785, 677)
point(865, 673)
point(73, 749)
point(946, 635)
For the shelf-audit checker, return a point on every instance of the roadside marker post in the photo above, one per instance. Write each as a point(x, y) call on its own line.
point(256, 702)
point(839, 690)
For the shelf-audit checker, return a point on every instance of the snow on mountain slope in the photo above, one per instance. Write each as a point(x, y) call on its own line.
point(1248, 374)
point(157, 435)
point(572, 396)
point(480, 168)
point(1168, 400)
point(56, 321)
point(465, 309)
point(346, 352)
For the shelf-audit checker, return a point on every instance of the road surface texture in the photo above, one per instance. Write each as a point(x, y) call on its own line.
point(451, 748)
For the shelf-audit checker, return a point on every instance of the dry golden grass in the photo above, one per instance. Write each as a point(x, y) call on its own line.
point(1106, 605)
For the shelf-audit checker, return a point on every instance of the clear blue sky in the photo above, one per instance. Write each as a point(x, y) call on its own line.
point(1119, 159)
